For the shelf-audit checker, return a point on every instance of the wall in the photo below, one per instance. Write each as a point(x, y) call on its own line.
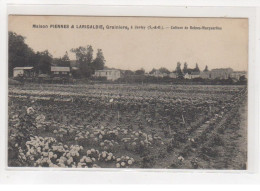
point(110, 74)
point(18, 72)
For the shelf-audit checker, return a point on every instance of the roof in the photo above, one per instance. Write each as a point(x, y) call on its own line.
point(107, 70)
point(239, 72)
point(75, 68)
point(221, 69)
point(192, 71)
point(23, 68)
point(189, 70)
point(60, 69)
point(195, 73)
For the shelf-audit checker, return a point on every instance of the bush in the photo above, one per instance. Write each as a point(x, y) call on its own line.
point(20, 132)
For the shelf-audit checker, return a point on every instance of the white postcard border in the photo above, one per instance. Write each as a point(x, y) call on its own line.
point(37, 175)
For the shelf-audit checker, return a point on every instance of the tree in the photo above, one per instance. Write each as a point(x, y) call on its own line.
point(56, 61)
point(185, 68)
point(89, 55)
point(19, 53)
point(178, 70)
point(65, 60)
point(99, 62)
point(178, 67)
point(128, 73)
point(206, 69)
point(196, 69)
point(140, 72)
point(152, 71)
point(164, 70)
point(84, 57)
point(80, 53)
point(44, 62)
point(242, 80)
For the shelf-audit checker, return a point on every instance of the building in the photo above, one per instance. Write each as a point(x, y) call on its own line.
point(221, 73)
point(58, 71)
point(195, 75)
point(23, 71)
point(237, 74)
point(110, 74)
point(158, 74)
point(173, 75)
point(205, 75)
point(187, 76)
point(192, 75)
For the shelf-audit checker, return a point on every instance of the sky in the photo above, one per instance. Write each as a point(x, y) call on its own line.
point(142, 48)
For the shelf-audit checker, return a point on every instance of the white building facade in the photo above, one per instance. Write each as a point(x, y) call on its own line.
point(173, 75)
point(192, 75)
point(109, 74)
point(23, 71)
point(238, 74)
point(221, 73)
point(60, 71)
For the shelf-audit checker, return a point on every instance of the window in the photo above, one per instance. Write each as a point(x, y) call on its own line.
point(56, 72)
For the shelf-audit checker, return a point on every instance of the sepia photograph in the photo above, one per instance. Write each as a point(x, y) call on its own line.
point(127, 92)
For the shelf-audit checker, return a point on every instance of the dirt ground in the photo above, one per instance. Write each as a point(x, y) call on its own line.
point(214, 138)
point(241, 158)
point(232, 154)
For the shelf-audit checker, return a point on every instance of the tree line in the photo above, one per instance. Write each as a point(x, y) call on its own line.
point(21, 55)
point(87, 64)
point(181, 72)
point(163, 70)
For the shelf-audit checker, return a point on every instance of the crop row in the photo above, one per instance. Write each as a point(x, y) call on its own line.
point(129, 126)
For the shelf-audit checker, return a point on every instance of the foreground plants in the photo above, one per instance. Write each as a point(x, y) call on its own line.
point(122, 126)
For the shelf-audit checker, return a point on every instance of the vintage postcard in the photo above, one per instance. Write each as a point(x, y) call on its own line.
point(127, 92)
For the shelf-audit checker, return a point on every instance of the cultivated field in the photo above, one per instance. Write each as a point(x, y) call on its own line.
point(128, 126)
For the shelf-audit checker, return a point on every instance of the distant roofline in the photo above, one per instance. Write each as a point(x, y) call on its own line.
point(60, 69)
point(60, 66)
point(240, 71)
point(221, 68)
point(107, 70)
point(24, 68)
